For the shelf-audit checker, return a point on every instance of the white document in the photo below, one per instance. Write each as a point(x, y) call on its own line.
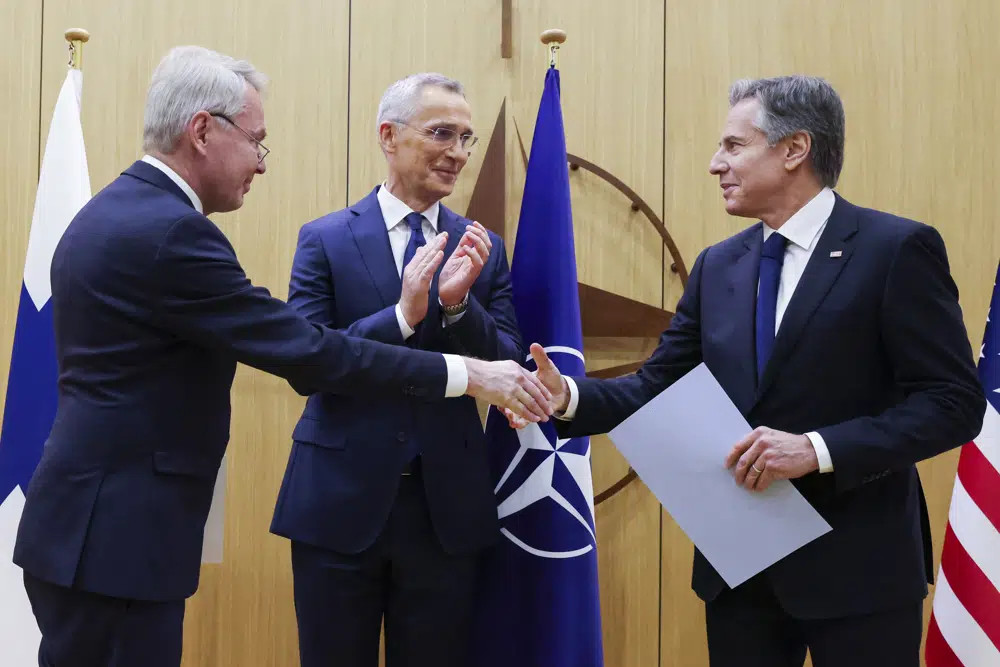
point(678, 443)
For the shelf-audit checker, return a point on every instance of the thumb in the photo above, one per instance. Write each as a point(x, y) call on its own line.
point(542, 360)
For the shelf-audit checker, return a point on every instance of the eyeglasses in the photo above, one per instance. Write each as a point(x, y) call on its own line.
point(446, 136)
point(262, 150)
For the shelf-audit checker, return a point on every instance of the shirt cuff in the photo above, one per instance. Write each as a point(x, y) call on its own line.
point(574, 400)
point(451, 319)
point(458, 376)
point(404, 328)
point(822, 451)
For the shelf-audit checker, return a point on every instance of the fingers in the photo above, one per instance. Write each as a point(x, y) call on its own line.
point(533, 395)
point(513, 420)
point(478, 240)
point(431, 258)
point(480, 232)
point(542, 359)
point(429, 266)
point(534, 382)
point(742, 446)
point(765, 478)
point(426, 254)
point(743, 473)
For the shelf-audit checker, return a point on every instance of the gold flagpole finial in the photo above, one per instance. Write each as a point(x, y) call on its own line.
point(552, 39)
point(76, 37)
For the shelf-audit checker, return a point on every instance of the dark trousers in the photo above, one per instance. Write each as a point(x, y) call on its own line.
point(424, 595)
point(748, 628)
point(81, 629)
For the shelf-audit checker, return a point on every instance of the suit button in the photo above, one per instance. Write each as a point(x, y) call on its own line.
point(401, 436)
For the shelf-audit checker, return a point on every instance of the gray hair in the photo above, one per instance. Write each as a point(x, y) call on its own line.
point(790, 104)
point(190, 79)
point(399, 101)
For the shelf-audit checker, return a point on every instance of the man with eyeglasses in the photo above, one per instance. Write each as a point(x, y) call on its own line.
point(388, 502)
point(152, 313)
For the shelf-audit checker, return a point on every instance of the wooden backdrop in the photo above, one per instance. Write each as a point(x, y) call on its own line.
point(644, 95)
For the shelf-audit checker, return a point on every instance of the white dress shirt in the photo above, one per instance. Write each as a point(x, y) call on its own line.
point(803, 231)
point(458, 374)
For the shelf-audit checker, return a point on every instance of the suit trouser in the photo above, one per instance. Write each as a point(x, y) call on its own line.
point(81, 629)
point(424, 594)
point(747, 627)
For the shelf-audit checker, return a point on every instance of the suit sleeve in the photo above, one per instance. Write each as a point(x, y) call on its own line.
point(489, 330)
point(311, 292)
point(205, 297)
point(941, 402)
point(606, 403)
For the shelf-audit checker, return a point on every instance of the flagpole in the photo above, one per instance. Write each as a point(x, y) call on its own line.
point(552, 39)
point(76, 37)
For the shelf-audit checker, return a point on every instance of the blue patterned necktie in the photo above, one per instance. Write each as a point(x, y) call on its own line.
point(772, 256)
point(415, 222)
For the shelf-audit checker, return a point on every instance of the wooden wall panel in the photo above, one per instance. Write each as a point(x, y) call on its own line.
point(391, 40)
point(20, 67)
point(922, 117)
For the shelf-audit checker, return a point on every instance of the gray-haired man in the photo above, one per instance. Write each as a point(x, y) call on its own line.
point(152, 313)
point(388, 500)
point(836, 331)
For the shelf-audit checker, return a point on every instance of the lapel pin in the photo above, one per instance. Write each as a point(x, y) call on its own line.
point(836, 253)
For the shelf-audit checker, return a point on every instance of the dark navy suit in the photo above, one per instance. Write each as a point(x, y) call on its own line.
point(152, 313)
point(872, 354)
point(367, 540)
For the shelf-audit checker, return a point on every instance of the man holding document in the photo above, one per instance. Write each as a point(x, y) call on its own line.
point(836, 332)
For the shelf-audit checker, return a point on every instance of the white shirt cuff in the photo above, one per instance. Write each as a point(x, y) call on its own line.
point(574, 400)
point(451, 319)
point(458, 376)
point(404, 328)
point(822, 451)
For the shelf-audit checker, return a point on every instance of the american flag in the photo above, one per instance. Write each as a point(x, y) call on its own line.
point(965, 623)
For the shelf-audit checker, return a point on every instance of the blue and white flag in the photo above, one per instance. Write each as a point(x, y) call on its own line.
point(539, 605)
point(63, 189)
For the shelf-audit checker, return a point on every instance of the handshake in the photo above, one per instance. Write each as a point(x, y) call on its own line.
point(523, 396)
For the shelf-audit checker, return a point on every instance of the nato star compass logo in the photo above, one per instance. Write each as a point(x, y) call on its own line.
point(546, 493)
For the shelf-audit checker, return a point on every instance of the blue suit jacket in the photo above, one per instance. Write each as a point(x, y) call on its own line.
point(152, 312)
point(348, 451)
point(872, 353)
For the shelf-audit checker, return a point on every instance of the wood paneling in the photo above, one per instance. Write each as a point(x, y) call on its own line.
point(20, 67)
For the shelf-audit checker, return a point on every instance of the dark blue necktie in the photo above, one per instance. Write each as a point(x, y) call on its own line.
point(772, 256)
point(415, 222)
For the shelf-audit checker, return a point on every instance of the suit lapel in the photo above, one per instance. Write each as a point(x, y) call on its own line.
point(819, 276)
point(743, 276)
point(368, 228)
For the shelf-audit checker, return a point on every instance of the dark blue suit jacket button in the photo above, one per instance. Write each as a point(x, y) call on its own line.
point(401, 436)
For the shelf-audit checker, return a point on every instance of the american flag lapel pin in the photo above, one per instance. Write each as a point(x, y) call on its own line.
point(836, 253)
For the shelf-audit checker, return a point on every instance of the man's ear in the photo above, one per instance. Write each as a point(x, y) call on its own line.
point(797, 147)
